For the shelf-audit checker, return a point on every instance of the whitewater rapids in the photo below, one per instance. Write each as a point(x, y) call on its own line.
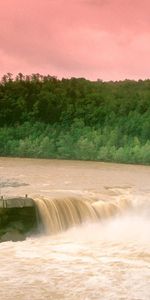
point(110, 260)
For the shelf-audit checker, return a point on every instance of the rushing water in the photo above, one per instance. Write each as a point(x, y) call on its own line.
point(58, 214)
point(98, 259)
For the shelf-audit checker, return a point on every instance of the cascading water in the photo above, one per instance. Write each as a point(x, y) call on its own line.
point(59, 214)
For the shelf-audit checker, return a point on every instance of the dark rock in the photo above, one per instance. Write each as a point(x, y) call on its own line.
point(13, 235)
point(18, 218)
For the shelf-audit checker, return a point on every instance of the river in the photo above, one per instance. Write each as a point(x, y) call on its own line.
point(106, 260)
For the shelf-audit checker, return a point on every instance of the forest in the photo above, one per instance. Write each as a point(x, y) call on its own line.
point(46, 117)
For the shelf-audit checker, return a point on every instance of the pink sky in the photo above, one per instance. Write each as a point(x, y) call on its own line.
point(107, 39)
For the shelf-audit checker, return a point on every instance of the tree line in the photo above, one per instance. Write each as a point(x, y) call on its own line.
point(42, 116)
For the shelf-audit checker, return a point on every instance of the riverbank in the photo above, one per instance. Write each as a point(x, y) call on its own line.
point(77, 142)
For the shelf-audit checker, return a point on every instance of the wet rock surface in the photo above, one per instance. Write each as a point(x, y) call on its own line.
point(16, 202)
point(13, 235)
point(11, 183)
point(18, 218)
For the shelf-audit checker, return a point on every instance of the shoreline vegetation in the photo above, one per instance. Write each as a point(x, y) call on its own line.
point(44, 117)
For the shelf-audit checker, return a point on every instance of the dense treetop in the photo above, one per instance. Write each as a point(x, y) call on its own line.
point(79, 112)
point(50, 100)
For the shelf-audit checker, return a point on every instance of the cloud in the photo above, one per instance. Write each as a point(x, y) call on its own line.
point(92, 39)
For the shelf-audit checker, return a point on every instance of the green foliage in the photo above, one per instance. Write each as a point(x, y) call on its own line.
point(86, 143)
point(41, 116)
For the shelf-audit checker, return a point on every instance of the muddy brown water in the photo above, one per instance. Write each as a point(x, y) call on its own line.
point(107, 259)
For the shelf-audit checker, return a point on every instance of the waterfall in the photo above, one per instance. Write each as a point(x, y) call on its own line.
point(58, 214)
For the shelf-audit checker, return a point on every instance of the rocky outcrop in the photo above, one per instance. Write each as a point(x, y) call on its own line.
point(18, 202)
point(18, 218)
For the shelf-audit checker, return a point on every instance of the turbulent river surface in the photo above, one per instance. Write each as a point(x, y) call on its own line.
point(106, 258)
